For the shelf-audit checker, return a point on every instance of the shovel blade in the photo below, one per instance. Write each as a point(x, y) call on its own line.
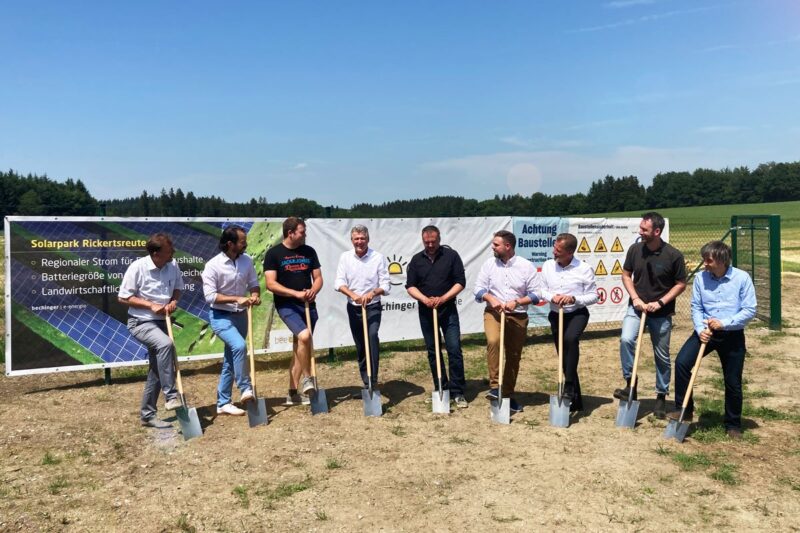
point(257, 412)
point(319, 402)
point(676, 430)
point(189, 421)
point(441, 402)
point(627, 413)
point(501, 411)
point(372, 402)
point(559, 411)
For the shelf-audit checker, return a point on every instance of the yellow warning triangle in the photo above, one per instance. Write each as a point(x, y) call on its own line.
point(584, 247)
point(617, 246)
point(617, 270)
point(600, 270)
point(600, 246)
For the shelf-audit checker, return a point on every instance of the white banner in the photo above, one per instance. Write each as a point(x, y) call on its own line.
point(398, 240)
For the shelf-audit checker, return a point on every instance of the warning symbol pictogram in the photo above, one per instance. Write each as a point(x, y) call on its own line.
point(600, 246)
point(617, 246)
point(584, 247)
point(616, 295)
point(600, 270)
point(617, 270)
point(601, 295)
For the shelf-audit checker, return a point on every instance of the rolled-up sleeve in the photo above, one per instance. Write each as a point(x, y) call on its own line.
point(209, 284)
point(589, 296)
point(252, 279)
point(341, 274)
point(482, 283)
point(128, 286)
point(459, 276)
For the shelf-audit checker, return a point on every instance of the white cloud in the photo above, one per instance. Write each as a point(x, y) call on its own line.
point(617, 4)
point(300, 166)
point(720, 129)
point(565, 171)
point(639, 20)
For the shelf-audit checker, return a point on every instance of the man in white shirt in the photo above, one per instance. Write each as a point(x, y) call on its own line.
point(508, 284)
point(226, 278)
point(569, 283)
point(151, 288)
point(363, 276)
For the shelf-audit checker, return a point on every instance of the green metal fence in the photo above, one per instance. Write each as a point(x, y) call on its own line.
point(756, 243)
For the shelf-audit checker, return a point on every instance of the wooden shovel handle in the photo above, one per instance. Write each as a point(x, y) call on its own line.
point(695, 369)
point(642, 321)
point(502, 354)
point(560, 347)
point(177, 368)
point(366, 340)
point(436, 343)
point(250, 350)
point(311, 350)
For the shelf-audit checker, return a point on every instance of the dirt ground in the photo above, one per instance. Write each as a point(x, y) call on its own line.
point(74, 457)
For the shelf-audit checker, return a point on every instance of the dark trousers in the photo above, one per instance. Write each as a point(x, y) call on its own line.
point(451, 328)
point(730, 347)
point(574, 324)
point(354, 313)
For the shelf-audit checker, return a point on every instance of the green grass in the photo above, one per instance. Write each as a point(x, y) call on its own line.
point(284, 490)
point(50, 459)
point(398, 431)
point(333, 463)
point(321, 515)
point(455, 439)
point(240, 491)
point(691, 462)
point(726, 473)
point(57, 485)
point(183, 524)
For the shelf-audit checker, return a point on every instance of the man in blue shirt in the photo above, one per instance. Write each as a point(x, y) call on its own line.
point(723, 302)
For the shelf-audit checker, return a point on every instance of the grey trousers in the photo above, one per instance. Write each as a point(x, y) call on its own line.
point(161, 350)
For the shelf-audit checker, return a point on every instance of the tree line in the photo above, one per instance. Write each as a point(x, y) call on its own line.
point(769, 182)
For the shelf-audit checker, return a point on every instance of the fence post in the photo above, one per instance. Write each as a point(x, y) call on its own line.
point(735, 240)
point(775, 272)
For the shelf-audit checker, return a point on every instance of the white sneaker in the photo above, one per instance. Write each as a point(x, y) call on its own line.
point(173, 404)
point(229, 409)
point(247, 396)
point(305, 399)
point(307, 384)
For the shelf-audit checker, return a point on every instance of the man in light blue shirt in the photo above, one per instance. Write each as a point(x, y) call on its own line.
point(723, 302)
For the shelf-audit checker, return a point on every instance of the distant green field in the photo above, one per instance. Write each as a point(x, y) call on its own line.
point(691, 227)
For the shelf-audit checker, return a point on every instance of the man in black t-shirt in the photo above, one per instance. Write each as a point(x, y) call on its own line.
point(293, 275)
point(434, 278)
point(654, 274)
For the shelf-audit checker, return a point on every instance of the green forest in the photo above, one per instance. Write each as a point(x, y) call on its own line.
point(769, 182)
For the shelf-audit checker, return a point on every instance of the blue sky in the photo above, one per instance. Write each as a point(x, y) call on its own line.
point(348, 102)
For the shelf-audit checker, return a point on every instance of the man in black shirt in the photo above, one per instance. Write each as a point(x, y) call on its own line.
point(293, 275)
point(654, 274)
point(435, 276)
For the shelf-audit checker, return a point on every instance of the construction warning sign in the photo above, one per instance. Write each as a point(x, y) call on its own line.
point(583, 247)
point(600, 247)
point(617, 270)
point(601, 269)
point(617, 246)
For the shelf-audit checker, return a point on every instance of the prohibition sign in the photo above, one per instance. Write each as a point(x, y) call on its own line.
point(601, 295)
point(616, 295)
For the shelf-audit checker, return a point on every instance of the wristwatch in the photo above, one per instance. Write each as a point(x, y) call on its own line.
point(660, 302)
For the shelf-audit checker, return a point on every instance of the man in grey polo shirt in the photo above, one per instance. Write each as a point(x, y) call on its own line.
point(151, 288)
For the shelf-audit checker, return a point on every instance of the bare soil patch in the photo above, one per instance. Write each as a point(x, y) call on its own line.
point(75, 459)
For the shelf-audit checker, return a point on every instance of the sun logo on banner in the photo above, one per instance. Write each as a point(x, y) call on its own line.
point(397, 270)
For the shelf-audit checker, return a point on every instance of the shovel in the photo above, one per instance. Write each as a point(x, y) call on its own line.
point(440, 400)
point(319, 400)
point(187, 417)
point(559, 407)
point(676, 429)
point(628, 409)
point(501, 407)
point(257, 407)
point(372, 398)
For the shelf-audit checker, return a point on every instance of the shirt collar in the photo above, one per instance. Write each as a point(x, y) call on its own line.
point(572, 264)
point(150, 264)
point(365, 256)
point(727, 275)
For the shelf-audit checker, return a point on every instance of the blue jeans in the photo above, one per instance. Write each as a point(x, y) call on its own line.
point(660, 329)
point(451, 327)
point(232, 329)
point(730, 347)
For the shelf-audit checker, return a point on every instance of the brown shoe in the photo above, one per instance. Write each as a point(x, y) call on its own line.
point(676, 415)
point(734, 434)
